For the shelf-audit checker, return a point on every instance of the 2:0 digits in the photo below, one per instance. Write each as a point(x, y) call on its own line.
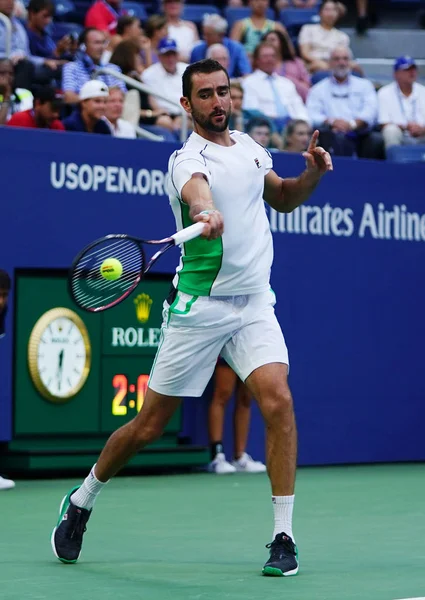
point(120, 402)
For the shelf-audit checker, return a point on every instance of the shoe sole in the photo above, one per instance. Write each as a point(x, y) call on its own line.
point(273, 572)
point(52, 537)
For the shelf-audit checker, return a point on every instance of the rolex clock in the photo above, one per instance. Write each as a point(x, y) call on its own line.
point(59, 354)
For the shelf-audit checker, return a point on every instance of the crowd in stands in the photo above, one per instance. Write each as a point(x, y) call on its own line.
point(281, 87)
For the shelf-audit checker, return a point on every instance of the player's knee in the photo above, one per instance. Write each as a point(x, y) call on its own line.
point(278, 409)
point(222, 396)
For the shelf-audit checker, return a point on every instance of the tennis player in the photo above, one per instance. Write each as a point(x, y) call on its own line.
point(221, 304)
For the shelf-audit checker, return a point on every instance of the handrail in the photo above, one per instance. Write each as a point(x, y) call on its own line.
point(8, 41)
point(144, 88)
point(148, 135)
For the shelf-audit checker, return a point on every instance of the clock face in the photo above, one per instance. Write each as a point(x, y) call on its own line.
point(59, 354)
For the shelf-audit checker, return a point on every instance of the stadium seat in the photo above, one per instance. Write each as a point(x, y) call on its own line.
point(233, 14)
point(295, 18)
point(59, 29)
point(196, 12)
point(63, 9)
point(406, 154)
point(134, 9)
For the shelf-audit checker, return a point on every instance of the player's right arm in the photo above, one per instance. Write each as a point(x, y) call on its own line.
point(197, 195)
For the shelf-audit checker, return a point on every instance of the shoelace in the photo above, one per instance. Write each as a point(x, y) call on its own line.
point(281, 542)
point(79, 524)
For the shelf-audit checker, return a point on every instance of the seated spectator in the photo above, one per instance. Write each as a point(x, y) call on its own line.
point(289, 64)
point(88, 60)
point(261, 131)
point(316, 41)
point(345, 108)
point(240, 117)
point(220, 53)
point(129, 29)
point(401, 106)
point(214, 30)
point(156, 29)
point(40, 15)
point(103, 15)
point(273, 94)
point(165, 78)
point(296, 136)
point(12, 98)
point(249, 31)
point(89, 115)
point(113, 115)
point(184, 33)
point(137, 108)
point(45, 114)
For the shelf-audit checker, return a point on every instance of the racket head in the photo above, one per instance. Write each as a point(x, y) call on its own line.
point(89, 288)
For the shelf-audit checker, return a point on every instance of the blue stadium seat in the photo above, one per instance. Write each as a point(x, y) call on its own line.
point(295, 18)
point(134, 9)
point(63, 9)
point(196, 12)
point(406, 154)
point(59, 29)
point(233, 14)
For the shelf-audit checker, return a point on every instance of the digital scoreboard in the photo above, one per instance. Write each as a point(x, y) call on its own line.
point(79, 376)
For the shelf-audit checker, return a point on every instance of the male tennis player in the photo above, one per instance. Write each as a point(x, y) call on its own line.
point(221, 304)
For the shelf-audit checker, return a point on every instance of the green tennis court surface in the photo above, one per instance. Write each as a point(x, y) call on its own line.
point(360, 530)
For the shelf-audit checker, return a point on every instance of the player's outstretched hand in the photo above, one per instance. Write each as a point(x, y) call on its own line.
point(214, 225)
point(318, 161)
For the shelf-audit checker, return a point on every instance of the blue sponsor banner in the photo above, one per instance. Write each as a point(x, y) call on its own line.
point(348, 275)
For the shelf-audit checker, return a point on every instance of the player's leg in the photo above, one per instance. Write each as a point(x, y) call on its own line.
point(243, 462)
point(123, 444)
point(224, 385)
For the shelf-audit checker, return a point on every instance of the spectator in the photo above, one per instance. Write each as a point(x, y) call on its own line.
point(103, 15)
point(184, 33)
point(5, 284)
point(88, 59)
point(240, 117)
point(344, 108)
point(275, 95)
point(316, 41)
point(249, 31)
point(129, 29)
point(260, 130)
point(113, 115)
point(296, 136)
point(88, 116)
point(12, 98)
point(45, 115)
point(40, 14)
point(156, 29)
point(137, 109)
point(220, 53)
point(289, 64)
point(401, 106)
point(165, 78)
point(214, 30)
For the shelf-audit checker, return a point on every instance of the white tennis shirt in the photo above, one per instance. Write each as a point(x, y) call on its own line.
point(240, 261)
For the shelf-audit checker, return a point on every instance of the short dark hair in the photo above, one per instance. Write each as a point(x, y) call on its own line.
point(124, 56)
point(46, 93)
point(124, 22)
point(154, 23)
point(5, 281)
point(36, 6)
point(258, 122)
point(292, 125)
point(205, 66)
point(327, 2)
point(84, 34)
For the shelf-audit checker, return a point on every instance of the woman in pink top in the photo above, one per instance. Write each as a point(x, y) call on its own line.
point(290, 65)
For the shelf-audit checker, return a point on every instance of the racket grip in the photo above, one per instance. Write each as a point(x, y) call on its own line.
point(188, 233)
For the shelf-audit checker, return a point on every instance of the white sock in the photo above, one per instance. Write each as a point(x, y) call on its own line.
point(86, 495)
point(283, 507)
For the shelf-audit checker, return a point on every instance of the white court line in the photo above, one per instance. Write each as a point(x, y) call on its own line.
point(421, 598)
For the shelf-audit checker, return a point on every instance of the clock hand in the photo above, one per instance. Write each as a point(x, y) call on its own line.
point(60, 366)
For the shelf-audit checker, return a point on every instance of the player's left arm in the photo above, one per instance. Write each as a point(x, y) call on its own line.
point(285, 195)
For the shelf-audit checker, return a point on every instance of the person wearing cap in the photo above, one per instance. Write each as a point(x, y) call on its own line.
point(89, 116)
point(44, 115)
point(165, 78)
point(401, 106)
point(345, 108)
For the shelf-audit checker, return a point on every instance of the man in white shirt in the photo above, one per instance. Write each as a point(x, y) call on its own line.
point(275, 96)
point(113, 115)
point(401, 106)
point(344, 108)
point(165, 78)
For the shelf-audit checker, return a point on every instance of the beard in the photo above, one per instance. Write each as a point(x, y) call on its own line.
point(342, 72)
point(206, 122)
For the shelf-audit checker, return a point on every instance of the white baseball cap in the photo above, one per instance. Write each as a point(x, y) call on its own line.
point(94, 89)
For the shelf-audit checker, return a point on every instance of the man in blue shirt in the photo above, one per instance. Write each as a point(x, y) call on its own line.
point(40, 15)
point(88, 117)
point(345, 109)
point(214, 29)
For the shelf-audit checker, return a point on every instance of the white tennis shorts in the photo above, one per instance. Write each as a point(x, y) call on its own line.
point(197, 329)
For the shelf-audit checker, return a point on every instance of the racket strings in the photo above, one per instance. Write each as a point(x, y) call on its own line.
point(91, 289)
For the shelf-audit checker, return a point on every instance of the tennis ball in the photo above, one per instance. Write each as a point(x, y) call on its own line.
point(111, 269)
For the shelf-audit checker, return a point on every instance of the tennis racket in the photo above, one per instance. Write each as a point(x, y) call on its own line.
point(106, 271)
